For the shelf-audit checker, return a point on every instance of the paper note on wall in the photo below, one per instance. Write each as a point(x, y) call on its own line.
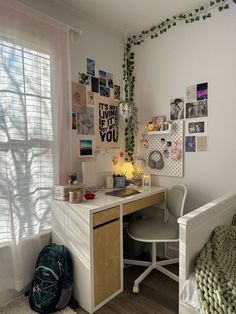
point(89, 173)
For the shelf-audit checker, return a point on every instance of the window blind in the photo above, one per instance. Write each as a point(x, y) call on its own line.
point(26, 139)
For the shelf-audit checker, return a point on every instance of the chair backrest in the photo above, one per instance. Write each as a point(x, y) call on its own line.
point(176, 199)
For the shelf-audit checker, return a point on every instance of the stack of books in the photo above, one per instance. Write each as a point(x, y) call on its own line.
point(61, 192)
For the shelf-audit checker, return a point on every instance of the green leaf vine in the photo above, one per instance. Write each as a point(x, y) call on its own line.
point(128, 107)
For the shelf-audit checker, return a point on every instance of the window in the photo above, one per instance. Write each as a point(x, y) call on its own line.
point(26, 139)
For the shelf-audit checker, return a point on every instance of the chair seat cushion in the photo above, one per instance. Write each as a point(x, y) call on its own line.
point(151, 229)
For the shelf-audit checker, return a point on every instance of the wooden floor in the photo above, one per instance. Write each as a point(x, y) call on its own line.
point(158, 294)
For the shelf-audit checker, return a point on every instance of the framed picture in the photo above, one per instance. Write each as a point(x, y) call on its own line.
point(85, 146)
point(196, 127)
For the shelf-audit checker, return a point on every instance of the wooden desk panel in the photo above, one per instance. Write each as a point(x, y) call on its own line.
point(106, 215)
point(133, 206)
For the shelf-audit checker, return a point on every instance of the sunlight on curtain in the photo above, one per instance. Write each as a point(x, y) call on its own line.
point(26, 137)
point(34, 130)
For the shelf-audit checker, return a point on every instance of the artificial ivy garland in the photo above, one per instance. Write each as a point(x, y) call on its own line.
point(128, 106)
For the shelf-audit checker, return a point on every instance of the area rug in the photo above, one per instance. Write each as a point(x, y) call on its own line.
point(21, 306)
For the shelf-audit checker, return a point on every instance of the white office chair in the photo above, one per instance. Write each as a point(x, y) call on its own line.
point(156, 231)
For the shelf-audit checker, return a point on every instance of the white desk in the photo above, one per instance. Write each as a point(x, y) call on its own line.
point(92, 231)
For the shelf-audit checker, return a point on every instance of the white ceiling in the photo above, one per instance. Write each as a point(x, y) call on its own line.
point(138, 15)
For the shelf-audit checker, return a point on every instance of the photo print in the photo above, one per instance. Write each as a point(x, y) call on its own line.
point(90, 98)
point(110, 80)
point(198, 126)
point(177, 109)
point(78, 97)
point(104, 91)
point(85, 147)
point(84, 78)
point(202, 91)
point(74, 120)
point(116, 91)
point(201, 143)
point(197, 109)
point(85, 122)
point(102, 74)
point(191, 93)
point(103, 82)
point(90, 67)
point(94, 84)
point(190, 144)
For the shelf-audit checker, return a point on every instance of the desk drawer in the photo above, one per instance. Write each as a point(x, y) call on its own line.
point(106, 215)
point(131, 207)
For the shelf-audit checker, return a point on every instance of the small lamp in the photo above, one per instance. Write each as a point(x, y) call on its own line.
point(127, 169)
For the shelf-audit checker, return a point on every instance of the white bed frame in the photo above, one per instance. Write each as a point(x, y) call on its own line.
point(195, 230)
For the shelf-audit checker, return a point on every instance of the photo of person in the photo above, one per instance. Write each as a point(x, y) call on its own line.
point(116, 91)
point(84, 78)
point(177, 109)
point(90, 98)
point(78, 97)
point(85, 122)
point(197, 109)
point(196, 127)
point(90, 67)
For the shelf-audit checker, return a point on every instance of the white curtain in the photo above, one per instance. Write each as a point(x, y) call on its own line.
point(33, 137)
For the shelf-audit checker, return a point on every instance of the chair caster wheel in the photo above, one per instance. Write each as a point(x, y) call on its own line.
point(136, 289)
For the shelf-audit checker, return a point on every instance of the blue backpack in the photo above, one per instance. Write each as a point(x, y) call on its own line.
point(53, 277)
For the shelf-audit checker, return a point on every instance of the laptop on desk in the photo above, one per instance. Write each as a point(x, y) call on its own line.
point(123, 192)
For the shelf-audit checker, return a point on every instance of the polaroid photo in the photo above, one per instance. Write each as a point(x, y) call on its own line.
point(85, 122)
point(90, 67)
point(196, 127)
point(177, 109)
point(85, 147)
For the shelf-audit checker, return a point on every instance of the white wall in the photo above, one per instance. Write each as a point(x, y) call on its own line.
point(186, 55)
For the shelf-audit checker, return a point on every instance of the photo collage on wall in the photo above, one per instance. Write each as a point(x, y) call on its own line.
point(195, 111)
point(196, 118)
point(84, 92)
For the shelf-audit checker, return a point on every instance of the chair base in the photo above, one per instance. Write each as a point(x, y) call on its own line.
point(154, 265)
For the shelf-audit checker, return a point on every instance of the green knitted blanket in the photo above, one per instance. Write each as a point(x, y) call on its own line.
point(215, 271)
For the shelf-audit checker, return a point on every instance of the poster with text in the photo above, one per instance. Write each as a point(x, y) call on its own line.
point(107, 128)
